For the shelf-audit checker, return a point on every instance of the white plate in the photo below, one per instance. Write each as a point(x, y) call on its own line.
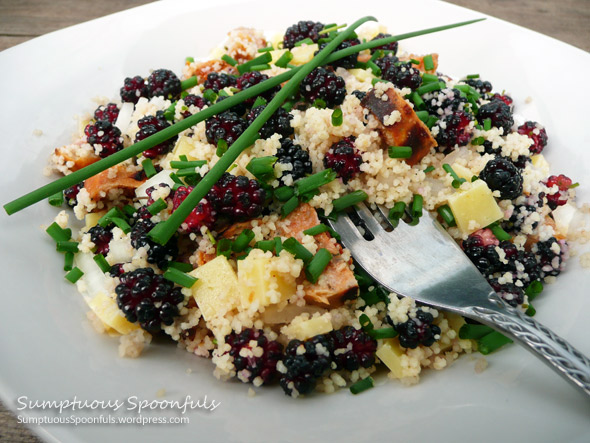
point(49, 351)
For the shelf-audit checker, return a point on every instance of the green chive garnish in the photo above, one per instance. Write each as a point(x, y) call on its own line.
point(157, 206)
point(429, 169)
point(260, 60)
point(414, 61)
point(318, 229)
point(530, 311)
point(382, 333)
point(314, 181)
point(182, 267)
point(224, 247)
point(429, 78)
point(456, 180)
point(366, 323)
point(534, 289)
point(265, 245)
point(305, 41)
point(416, 209)
point(221, 148)
point(477, 141)
point(187, 164)
point(121, 224)
point(376, 70)
point(74, 275)
point(189, 83)
point(474, 332)
point(374, 81)
point(243, 240)
point(473, 76)
point(129, 210)
point(417, 100)
point(230, 60)
point(447, 215)
point(106, 219)
point(180, 278)
point(431, 121)
point(278, 245)
point(498, 232)
point(262, 167)
point(210, 95)
point(189, 59)
point(370, 297)
point(260, 101)
point(422, 115)
point(396, 213)
point(430, 87)
point(284, 59)
point(66, 246)
point(284, 193)
point(266, 49)
point(297, 249)
point(487, 124)
point(68, 261)
point(102, 262)
point(400, 151)
point(57, 233)
point(317, 265)
point(428, 63)
point(491, 342)
point(319, 103)
point(337, 117)
point(148, 168)
point(362, 385)
point(289, 206)
point(56, 199)
point(349, 200)
point(263, 67)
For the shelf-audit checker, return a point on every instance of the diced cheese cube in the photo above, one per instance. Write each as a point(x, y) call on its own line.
point(462, 171)
point(106, 309)
point(362, 75)
point(92, 219)
point(390, 352)
point(312, 327)
point(216, 290)
point(539, 162)
point(455, 321)
point(303, 54)
point(184, 146)
point(475, 208)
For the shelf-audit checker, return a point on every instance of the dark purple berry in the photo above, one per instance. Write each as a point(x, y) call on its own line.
point(348, 62)
point(501, 175)
point(417, 330)
point(108, 112)
point(390, 47)
point(344, 159)
point(536, 133)
point(194, 100)
point(101, 238)
point(509, 292)
point(278, 123)
point(160, 255)
point(444, 102)
point(107, 136)
point(133, 88)
point(480, 86)
point(217, 81)
point(237, 197)
point(300, 31)
point(71, 194)
point(291, 154)
point(150, 125)
point(249, 79)
point(561, 196)
point(321, 84)
point(202, 215)
point(454, 130)
point(227, 126)
point(163, 82)
point(353, 349)
point(499, 114)
point(551, 255)
point(402, 75)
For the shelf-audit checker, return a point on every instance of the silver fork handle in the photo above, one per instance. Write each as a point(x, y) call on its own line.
point(561, 356)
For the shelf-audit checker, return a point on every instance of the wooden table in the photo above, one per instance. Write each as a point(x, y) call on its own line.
point(22, 20)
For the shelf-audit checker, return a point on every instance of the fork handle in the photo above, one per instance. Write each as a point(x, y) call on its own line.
point(541, 341)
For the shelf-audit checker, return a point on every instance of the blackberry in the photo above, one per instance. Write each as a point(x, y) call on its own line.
point(106, 135)
point(163, 82)
point(353, 349)
point(300, 31)
point(418, 330)
point(133, 88)
point(480, 86)
point(157, 254)
point(482, 252)
point(237, 197)
point(505, 98)
point(291, 154)
point(359, 94)
point(252, 364)
point(194, 100)
point(101, 238)
point(239, 109)
point(444, 101)
point(559, 197)
point(71, 194)
point(226, 126)
point(348, 62)
point(249, 79)
point(304, 363)
point(499, 114)
point(509, 292)
point(390, 47)
point(278, 123)
point(551, 255)
point(536, 133)
point(217, 82)
point(321, 84)
point(501, 175)
point(531, 267)
point(149, 125)
point(147, 298)
point(202, 215)
point(108, 112)
point(522, 215)
point(117, 270)
point(402, 75)
point(454, 130)
point(344, 159)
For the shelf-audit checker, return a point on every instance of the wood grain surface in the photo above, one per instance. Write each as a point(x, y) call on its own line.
point(22, 20)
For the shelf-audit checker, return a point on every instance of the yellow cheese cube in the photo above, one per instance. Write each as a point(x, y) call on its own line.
point(455, 321)
point(106, 309)
point(92, 219)
point(475, 208)
point(362, 75)
point(260, 282)
point(303, 54)
point(183, 146)
point(540, 163)
point(276, 54)
point(390, 352)
point(312, 327)
point(216, 290)
point(462, 171)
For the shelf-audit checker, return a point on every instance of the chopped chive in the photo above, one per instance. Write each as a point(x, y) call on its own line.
point(157, 206)
point(210, 95)
point(447, 215)
point(189, 83)
point(186, 172)
point(175, 179)
point(362, 385)
point(187, 164)
point(400, 151)
point(105, 220)
point(337, 117)
point(349, 200)
point(376, 80)
point(317, 229)
point(224, 247)
point(260, 60)
point(284, 193)
point(57, 233)
point(148, 168)
point(288, 105)
point(469, 91)
point(102, 262)
point(414, 61)
point(475, 177)
point(491, 342)
point(487, 124)
point(429, 169)
point(430, 87)
point(243, 240)
point(417, 100)
point(477, 141)
point(289, 206)
point(366, 323)
point(260, 101)
point(429, 78)
point(314, 181)
point(284, 59)
point(129, 210)
point(474, 332)
point(317, 265)
point(377, 54)
point(530, 311)
point(370, 297)
point(534, 289)
point(169, 113)
point(221, 148)
point(498, 232)
point(266, 49)
point(121, 224)
point(431, 121)
point(305, 41)
point(376, 70)
point(66, 246)
point(229, 60)
point(417, 204)
point(74, 275)
point(422, 115)
point(262, 167)
point(473, 76)
point(189, 59)
point(396, 213)
point(319, 103)
point(182, 267)
point(574, 185)
point(293, 246)
point(210, 236)
point(382, 333)
point(330, 28)
point(456, 180)
point(265, 245)
point(428, 62)
point(56, 199)
point(278, 245)
point(334, 233)
point(360, 65)
point(179, 277)
point(68, 261)
point(263, 67)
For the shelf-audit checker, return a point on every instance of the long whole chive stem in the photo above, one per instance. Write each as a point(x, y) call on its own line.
point(318, 229)
point(148, 168)
point(362, 385)
point(381, 333)
point(314, 181)
point(400, 151)
point(57, 233)
point(474, 332)
point(189, 83)
point(337, 117)
point(102, 262)
point(56, 199)
point(492, 341)
point(263, 67)
point(243, 240)
point(157, 206)
point(179, 277)
point(68, 261)
point(80, 175)
point(187, 164)
point(297, 249)
point(74, 275)
point(289, 206)
point(230, 60)
point(331, 28)
point(348, 200)
point(262, 167)
point(66, 246)
point(317, 265)
point(498, 232)
point(284, 59)
point(446, 214)
point(284, 193)
point(265, 245)
point(182, 267)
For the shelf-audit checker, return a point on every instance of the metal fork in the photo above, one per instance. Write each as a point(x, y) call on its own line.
point(425, 263)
